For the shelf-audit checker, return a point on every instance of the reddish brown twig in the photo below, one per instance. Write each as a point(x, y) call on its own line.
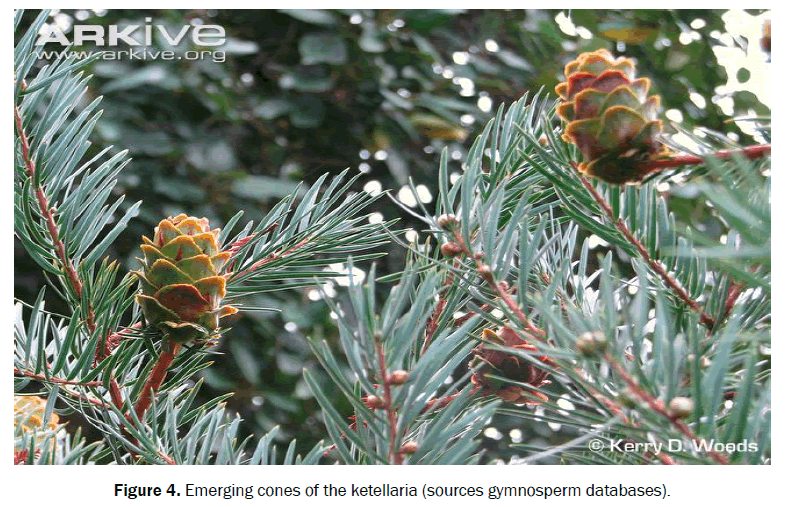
point(666, 459)
point(48, 213)
point(656, 266)
point(433, 322)
point(115, 338)
point(618, 411)
point(49, 216)
point(55, 380)
point(269, 258)
point(498, 288)
point(88, 399)
point(659, 407)
point(732, 296)
point(538, 333)
point(750, 152)
point(168, 459)
point(237, 245)
point(156, 377)
point(393, 457)
point(504, 295)
point(431, 405)
point(104, 346)
point(440, 403)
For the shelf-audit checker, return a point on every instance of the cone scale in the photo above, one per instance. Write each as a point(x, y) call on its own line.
point(181, 284)
point(609, 117)
point(491, 362)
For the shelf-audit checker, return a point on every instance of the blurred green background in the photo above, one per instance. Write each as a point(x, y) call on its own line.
point(301, 93)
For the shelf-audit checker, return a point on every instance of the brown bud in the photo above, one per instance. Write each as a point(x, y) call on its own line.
point(451, 249)
point(409, 447)
point(591, 342)
point(397, 377)
point(375, 402)
point(681, 407)
point(543, 141)
point(485, 272)
point(447, 221)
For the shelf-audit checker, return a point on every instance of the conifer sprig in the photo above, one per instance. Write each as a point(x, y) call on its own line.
point(89, 360)
point(595, 305)
point(536, 278)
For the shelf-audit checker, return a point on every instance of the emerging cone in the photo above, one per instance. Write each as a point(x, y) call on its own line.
point(609, 117)
point(29, 414)
point(509, 366)
point(181, 289)
point(29, 419)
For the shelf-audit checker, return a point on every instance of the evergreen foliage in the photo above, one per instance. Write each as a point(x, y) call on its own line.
point(661, 335)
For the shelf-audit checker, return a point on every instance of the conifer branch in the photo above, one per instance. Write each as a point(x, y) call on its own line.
point(512, 249)
point(500, 288)
point(654, 166)
point(48, 213)
point(656, 266)
point(88, 399)
point(55, 380)
point(617, 410)
point(262, 262)
point(658, 406)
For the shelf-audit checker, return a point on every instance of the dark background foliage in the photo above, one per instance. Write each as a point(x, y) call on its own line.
point(301, 93)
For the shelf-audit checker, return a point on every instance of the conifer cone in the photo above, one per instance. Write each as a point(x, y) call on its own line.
point(29, 414)
point(181, 285)
point(29, 419)
point(609, 116)
point(509, 366)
